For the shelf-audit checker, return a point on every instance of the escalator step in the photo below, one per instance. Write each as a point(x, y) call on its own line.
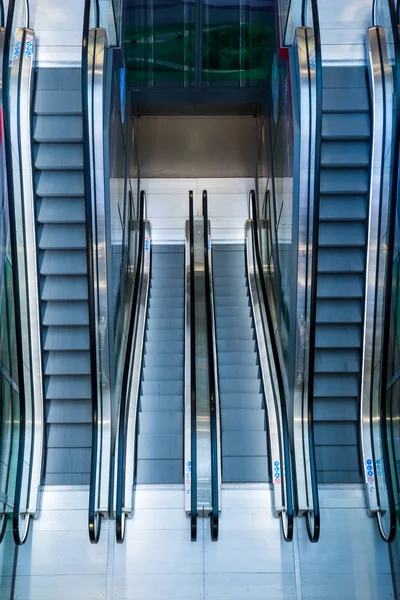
point(61, 210)
point(59, 262)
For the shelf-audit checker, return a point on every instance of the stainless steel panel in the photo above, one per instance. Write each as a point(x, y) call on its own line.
point(187, 399)
point(204, 502)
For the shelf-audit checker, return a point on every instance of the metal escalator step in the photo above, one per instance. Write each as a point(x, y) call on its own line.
point(65, 461)
point(164, 293)
point(335, 409)
point(66, 479)
point(339, 477)
point(65, 313)
point(56, 236)
point(70, 387)
point(237, 334)
point(340, 286)
point(237, 419)
point(335, 434)
point(170, 312)
point(65, 435)
point(338, 208)
point(163, 360)
point(238, 312)
point(339, 311)
point(64, 288)
point(336, 384)
point(224, 322)
point(151, 403)
point(338, 336)
point(59, 262)
point(345, 99)
point(154, 348)
point(236, 358)
point(159, 471)
point(160, 446)
point(341, 260)
point(163, 335)
point(223, 260)
point(61, 210)
point(168, 272)
point(159, 302)
point(231, 289)
point(238, 280)
point(244, 401)
point(165, 324)
point(345, 155)
point(66, 338)
point(167, 262)
point(346, 126)
point(337, 458)
point(53, 157)
point(245, 469)
point(345, 77)
point(59, 410)
point(237, 443)
point(165, 286)
point(333, 360)
point(223, 300)
point(238, 372)
point(56, 78)
point(344, 181)
point(51, 128)
point(162, 373)
point(58, 102)
point(161, 388)
point(338, 233)
point(59, 183)
point(227, 345)
point(67, 363)
point(166, 421)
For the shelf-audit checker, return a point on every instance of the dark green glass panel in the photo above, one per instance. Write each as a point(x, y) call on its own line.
point(238, 42)
point(160, 43)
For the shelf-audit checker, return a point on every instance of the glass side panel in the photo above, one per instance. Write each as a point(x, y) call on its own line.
point(238, 38)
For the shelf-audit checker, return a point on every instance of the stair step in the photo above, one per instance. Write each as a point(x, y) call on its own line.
point(335, 409)
point(236, 323)
point(59, 183)
point(341, 384)
point(331, 360)
point(345, 99)
point(227, 345)
point(162, 373)
point(61, 210)
point(169, 273)
point(157, 312)
point(237, 358)
point(223, 300)
point(60, 410)
point(239, 420)
point(65, 435)
point(165, 324)
point(62, 237)
point(163, 335)
point(168, 360)
point(162, 388)
point(236, 443)
point(238, 372)
point(340, 286)
point(338, 233)
point(246, 401)
point(237, 334)
point(55, 128)
point(59, 262)
point(153, 403)
point(344, 181)
point(338, 336)
point(170, 422)
point(56, 78)
point(167, 303)
point(156, 348)
point(346, 126)
point(68, 386)
point(341, 260)
point(65, 313)
point(338, 208)
point(160, 446)
point(64, 288)
point(58, 102)
point(245, 469)
point(350, 154)
point(66, 338)
point(339, 311)
point(160, 472)
point(347, 77)
point(335, 434)
point(237, 312)
point(58, 157)
point(67, 363)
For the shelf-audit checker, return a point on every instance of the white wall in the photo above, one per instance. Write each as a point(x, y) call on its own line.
point(168, 207)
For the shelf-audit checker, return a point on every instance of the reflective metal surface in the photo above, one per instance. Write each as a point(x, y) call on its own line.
point(135, 378)
point(269, 380)
point(381, 84)
point(97, 49)
point(204, 502)
point(32, 412)
point(187, 400)
point(303, 51)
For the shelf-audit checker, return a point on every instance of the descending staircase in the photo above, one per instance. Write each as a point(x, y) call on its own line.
point(61, 224)
point(341, 265)
point(243, 419)
point(160, 439)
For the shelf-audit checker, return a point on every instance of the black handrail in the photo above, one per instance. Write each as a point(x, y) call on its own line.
point(123, 411)
point(193, 410)
point(2, 15)
point(15, 275)
point(389, 276)
point(288, 535)
point(214, 522)
point(313, 528)
point(94, 519)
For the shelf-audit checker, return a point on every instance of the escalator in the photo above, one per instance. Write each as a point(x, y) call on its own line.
point(344, 185)
point(243, 420)
point(160, 419)
point(63, 259)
